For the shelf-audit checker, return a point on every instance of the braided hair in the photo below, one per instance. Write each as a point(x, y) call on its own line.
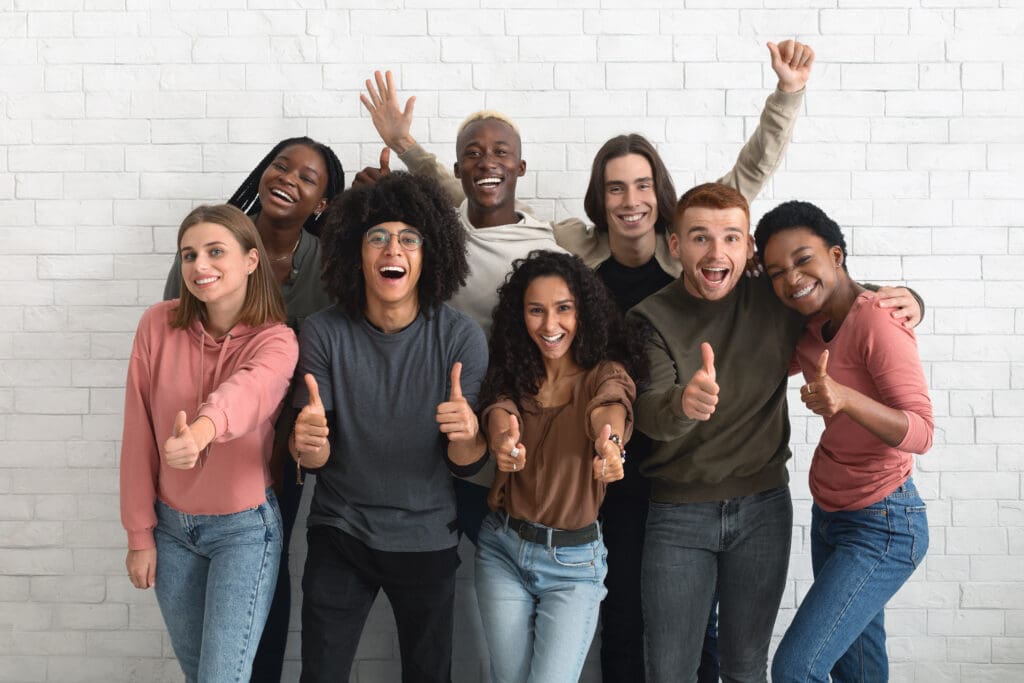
point(247, 198)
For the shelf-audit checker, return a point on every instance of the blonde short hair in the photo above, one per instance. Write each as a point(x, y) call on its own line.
point(487, 115)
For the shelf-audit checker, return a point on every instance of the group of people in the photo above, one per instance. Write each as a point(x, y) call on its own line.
point(447, 364)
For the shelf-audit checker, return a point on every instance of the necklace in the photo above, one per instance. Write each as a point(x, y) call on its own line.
point(278, 259)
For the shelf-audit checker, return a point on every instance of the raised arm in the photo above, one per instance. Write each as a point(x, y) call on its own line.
point(764, 151)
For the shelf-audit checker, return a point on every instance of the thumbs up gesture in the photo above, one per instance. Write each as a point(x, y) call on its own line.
point(701, 393)
point(823, 395)
point(791, 61)
point(455, 416)
point(181, 451)
point(509, 452)
point(370, 175)
point(608, 463)
point(311, 428)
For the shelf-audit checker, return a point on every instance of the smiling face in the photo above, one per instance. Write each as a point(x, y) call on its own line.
point(549, 309)
point(630, 200)
point(294, 184)
point(803, 269)
point(215, 267)
point(489, 164)
point(713, 246)
point(391, 272)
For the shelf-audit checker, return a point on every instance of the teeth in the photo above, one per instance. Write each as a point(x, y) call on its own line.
point(206, 280)
point(282, 195)
point(552, 340)
point(803, 292)
point(487, 182)
point(392, 269)
point(715, 270)
point(633, 218)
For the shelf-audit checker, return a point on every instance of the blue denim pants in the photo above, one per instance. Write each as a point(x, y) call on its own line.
point(215, 577)
point(538, 603)
point(741, 546)
point(860, 559)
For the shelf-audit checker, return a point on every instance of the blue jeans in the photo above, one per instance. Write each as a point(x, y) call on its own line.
point(215, 577)
point(860, 559)
point(539, 604)
point(739, 546)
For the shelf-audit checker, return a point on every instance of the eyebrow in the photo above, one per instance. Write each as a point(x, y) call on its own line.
point(563, 301)
point(704, 228)
point(208, 244)
point(645, 179)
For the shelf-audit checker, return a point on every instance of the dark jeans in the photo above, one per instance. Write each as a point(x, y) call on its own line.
point(267, 666)
point(341, 581)
point(740, 545)
point(471, 507)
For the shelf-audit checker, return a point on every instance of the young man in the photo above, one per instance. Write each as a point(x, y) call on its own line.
point(720, 513)
point(391, 375)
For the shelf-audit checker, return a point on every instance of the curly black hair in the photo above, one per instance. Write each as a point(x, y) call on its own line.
point(247, 197)
point(516, 367)
point(796, 214)
point(416, 201)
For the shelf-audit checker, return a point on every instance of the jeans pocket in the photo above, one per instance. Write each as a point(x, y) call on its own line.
point(574, 555)
point(917, 527)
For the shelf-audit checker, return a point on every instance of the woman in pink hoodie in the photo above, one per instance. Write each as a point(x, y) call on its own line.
point(206, 380)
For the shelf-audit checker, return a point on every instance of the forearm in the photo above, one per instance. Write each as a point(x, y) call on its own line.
point(659, 414)
point(888, 424)
point(203, 431)
point(421, 162)
point(464, 453)
point(614, 415)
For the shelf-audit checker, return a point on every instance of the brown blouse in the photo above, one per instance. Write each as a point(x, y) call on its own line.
point(556, 487)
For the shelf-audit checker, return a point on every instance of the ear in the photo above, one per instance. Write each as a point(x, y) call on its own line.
point(673, 243)
point(252, 259)
point(836, 252)
point(320, 206)
point(750, 246)
point(456, 171)
point(522, 168)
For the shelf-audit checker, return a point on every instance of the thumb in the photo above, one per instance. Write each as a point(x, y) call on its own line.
point(385, 161)
point(410, 106)
point(823, 365)
point(708, 355)
point(602, 438)
point(180, 423)
point(773, 49)
point(513, 428)
point(314, 391)
point(456, 382)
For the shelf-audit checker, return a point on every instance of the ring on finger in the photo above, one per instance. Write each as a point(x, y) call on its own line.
point(514, 452)
point(514, 467)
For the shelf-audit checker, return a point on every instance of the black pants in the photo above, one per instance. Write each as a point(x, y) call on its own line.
point(341, 582)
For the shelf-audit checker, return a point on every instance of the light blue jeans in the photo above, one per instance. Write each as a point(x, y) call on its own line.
point(860, 559)
point(215, 578)
point(539, 604)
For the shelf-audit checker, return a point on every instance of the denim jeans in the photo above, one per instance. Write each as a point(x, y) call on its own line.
point(860, 559)
point(741, 546)
point(215, 577)
point(538, 603)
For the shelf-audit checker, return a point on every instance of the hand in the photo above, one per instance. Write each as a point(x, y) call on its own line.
point(608, 463)
point(823, 395)
point(181, 450)
point(792, 62)
point(456, 416)
point(311, 424)
point(701, 393)
point(392, 123)
point(903, 303)
point(753, 267)
point(503, 444)
point(141, 566)
point(370, 175)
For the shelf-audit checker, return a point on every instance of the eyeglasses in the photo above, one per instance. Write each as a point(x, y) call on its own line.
point(378, 238)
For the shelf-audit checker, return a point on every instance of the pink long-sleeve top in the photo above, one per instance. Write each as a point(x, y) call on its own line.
point(873, 353)
point(238, 382)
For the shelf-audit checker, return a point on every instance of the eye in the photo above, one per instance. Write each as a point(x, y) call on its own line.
point(563, 308)
point(501, 152)
point(279, 166)
point(410, 239)
point(645, 186)
point(307, 179)
point(378, 238)
point(700, 239)
point(188, 256)
point(775, 274)
point(732, 238)
point(615, 189)
point(535, 310)
point(803, 259)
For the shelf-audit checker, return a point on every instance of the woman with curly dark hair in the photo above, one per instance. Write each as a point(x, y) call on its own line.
point(559, 411)
point(392, 375)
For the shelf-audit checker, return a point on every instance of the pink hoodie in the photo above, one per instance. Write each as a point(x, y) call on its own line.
point(238, 382)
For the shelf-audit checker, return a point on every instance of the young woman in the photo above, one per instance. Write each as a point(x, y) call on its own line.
point(559, 412)
point(869, 530)
point(206, 380)
point(286, 194)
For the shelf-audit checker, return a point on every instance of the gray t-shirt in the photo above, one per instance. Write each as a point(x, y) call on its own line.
point(387, 480)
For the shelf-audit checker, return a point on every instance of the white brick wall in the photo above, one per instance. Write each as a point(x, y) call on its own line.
point(117, 116)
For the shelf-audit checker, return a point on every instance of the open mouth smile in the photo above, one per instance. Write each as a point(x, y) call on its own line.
point(283, 196)
point(715, 276)
point(392, 272)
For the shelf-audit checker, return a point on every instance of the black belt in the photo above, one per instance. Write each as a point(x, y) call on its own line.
point(559, 537)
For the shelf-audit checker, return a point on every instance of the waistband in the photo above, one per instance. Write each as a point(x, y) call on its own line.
point(546, 536)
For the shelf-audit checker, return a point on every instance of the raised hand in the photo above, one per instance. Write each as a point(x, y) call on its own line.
point(181, 451)
point(141, 566)
point(905, 306)
point(701, 393)
point(823, 395)
point(391, 121)
point(370, 175)
point(455, 416)
point(791, 62)
point(508, 451)
point(608, 463)
point(310, 435)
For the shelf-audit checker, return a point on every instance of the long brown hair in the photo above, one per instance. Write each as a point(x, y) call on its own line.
point(263, 302)
point(620, 146)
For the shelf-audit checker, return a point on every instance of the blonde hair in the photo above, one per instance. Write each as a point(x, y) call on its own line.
point(263, 303)
point(486, 115)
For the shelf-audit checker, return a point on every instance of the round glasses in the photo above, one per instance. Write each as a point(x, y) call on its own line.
point(378, 238)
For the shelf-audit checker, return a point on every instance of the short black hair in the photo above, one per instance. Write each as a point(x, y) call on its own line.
point(417, 201)
point(796, 214)
point(516, 367)
point(247, 197)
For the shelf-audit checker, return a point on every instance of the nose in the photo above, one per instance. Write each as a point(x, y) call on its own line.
point(393, 246)
point(629, 196)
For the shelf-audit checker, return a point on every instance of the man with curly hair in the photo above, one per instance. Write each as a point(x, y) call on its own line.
point(391, 375)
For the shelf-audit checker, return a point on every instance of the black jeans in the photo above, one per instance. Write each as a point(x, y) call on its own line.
point(341, 582)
